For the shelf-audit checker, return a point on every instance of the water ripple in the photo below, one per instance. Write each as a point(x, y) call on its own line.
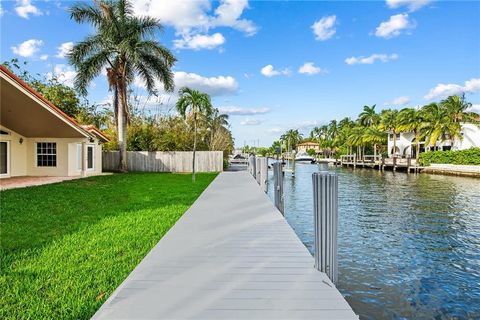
point(409, 245)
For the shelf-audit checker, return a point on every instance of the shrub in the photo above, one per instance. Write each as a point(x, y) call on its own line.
point(467, 157)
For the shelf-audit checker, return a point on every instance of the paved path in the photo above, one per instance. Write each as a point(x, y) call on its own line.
point(231, 256)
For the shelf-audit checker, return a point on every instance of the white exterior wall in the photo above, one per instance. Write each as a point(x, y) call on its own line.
point(470, 132)
point(23, 156)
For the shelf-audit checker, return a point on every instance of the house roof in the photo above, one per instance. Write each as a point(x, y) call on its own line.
point(308, 143)
point(47, 104)
point(94, 130)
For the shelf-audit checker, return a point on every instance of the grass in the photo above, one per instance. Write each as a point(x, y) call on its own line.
point(65, 247)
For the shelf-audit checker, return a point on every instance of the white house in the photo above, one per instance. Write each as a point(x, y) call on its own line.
point(38, 139)
point(406, 146)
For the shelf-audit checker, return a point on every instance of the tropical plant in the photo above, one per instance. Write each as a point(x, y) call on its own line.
point(369, 117)
point(193, 102)
point(292, 138)
point(414, 120)
point(215, 122)
point(389, 122)
point(375, 136)
point(458, 108)
point(124, 45)
point(437, 124)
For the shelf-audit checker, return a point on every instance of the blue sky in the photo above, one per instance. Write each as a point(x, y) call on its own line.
point(276, 65)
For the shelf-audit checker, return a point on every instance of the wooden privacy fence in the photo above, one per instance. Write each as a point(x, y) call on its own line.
point(165, 161)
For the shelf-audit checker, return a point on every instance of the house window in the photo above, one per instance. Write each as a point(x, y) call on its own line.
point(90, 153)
point(46, 154)
point(391, 136)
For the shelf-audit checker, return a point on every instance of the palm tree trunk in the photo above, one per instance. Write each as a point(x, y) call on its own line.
point(122, 127)
point(394, 144)
point(375, 152)
point(417, 155)
point(194, 143)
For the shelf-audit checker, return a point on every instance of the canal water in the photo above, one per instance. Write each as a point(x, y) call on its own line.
point(409, 245)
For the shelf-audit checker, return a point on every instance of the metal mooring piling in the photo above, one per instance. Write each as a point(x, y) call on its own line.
point(263, 173)
point(278, 186)
point(325, 212)
point(251, 165)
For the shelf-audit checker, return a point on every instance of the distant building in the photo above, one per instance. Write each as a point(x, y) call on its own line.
point(406, 146)
point(304, 146)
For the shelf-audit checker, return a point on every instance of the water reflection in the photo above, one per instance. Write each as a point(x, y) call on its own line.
point(409, 245)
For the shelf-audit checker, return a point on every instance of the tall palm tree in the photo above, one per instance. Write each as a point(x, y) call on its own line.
point(125, 45)
point(293, 137)
point(193, 102)
point(457, 108)
point(438, 125)
point(389, 122)
point(373, 135)
point(368, 117)
point(413, 120)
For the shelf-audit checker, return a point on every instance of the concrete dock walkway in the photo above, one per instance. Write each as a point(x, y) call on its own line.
point(231, 256)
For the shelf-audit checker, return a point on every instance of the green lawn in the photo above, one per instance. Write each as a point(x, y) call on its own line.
point(65, 247)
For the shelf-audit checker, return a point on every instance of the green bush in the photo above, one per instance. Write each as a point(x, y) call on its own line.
point(469, 157)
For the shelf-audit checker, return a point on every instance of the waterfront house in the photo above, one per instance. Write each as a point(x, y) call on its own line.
point(304, 146)
point(38, 139)
point(406, 145)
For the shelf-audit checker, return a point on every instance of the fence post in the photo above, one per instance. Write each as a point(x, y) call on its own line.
point(394, 163)
point(278, 186)
point(325, 212)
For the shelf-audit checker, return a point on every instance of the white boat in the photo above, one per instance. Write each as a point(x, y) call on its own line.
point(303, 157)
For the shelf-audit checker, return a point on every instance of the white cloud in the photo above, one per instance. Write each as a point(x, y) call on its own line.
point(275, 130)
point(444, 90)
point(1, 10)
point(394, 26)
point(309, 68)
point(183, 15)
point(44, 57)
point(64, 49)
point(238, 111)
point(412, 5)
point(228, 13)
point(474, 108)
point(24, 8)
point(28, 48)
point(324, 28)
point(191, 18)
point(63, 73)
point(269, 71)
point(199, 41)
point(399, 101)
point(306, 125)
point(251, 122)
point(371, 59)
point(214, 86)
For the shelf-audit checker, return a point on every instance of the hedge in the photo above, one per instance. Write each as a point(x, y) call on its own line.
point(468, 157)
